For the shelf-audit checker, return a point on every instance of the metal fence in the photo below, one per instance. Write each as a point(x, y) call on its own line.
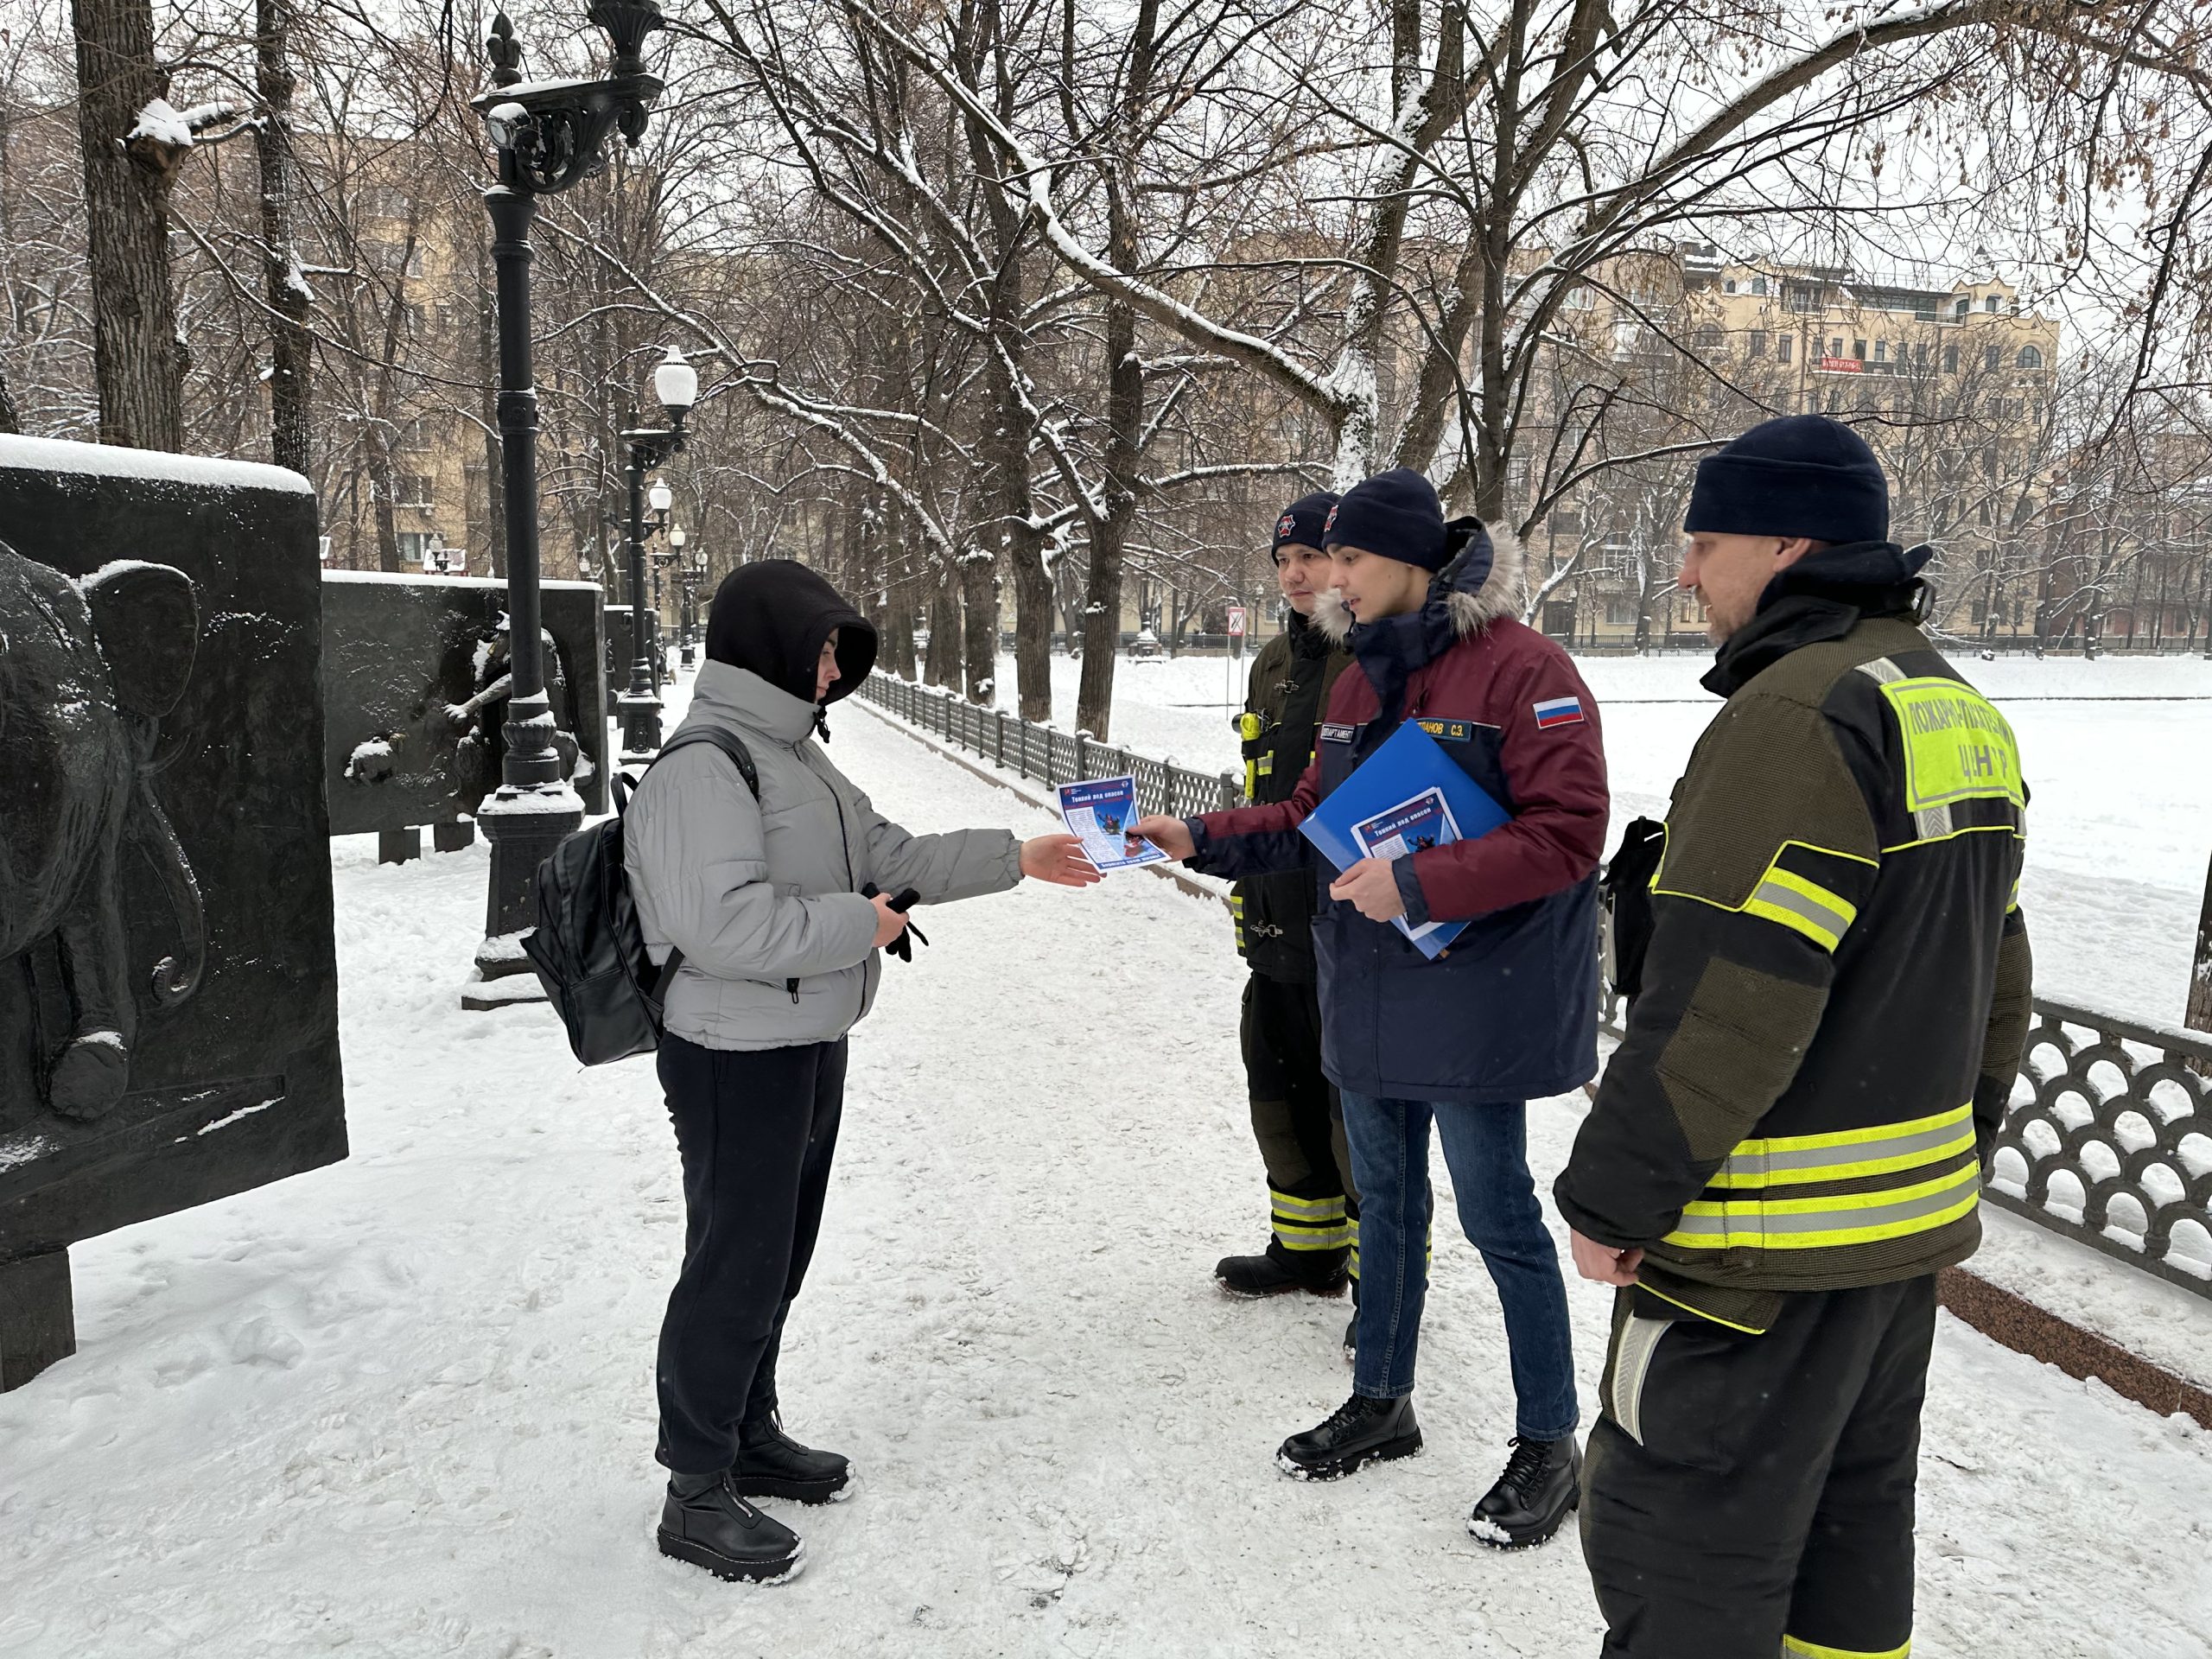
point(2114, 1147)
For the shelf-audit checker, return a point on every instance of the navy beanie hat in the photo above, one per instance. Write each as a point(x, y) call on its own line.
point(1302, 521)
point(1801, 475)
point(1396, 514)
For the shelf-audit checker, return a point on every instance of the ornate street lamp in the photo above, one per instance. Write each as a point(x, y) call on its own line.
point(676, 383)
point(549, 137)
point(690, 573)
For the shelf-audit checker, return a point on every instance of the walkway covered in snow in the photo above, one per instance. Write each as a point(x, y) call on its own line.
point(402, 1406)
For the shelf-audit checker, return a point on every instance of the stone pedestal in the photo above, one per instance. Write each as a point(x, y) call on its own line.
point(453, 837)
point(37, 1320)
point(524, 826)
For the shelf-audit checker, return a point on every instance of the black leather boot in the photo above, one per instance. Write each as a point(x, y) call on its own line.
point(706, 1523)
point(770, 1463)
point(1542, 1481)
point(1361, 1431)
point(1268, 1275)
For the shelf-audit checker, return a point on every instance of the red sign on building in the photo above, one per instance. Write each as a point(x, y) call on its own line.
point(1840, 365)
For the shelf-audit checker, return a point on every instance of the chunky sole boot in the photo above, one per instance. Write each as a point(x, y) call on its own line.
point(707, 1524)
point(1252, 1277)
point(776, 1466)
point(1541, 1487)
point(1360, 1431)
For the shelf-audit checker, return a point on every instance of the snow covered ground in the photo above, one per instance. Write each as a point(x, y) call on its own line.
point(403, 1406)
point(2118, 835)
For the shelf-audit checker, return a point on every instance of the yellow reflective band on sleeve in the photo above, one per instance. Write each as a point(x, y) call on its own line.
point(1802, 905)
point(1957, 747)
point(1849, 1154)
point(1785, 897)
point(1265, 766)
point(1820, 1223)
point(1794, 1648)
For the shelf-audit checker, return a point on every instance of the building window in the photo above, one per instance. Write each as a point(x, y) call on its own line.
point(1728, 287)
point(1782, 344)
point(1950, 359)
point(1981, 514)
point(413, 544)
point(415, 434)
point(1835, 348)
point(1758, 285)
point(1962, 306)
point(1621, 610)
point(413, 489)
point(1989, 304)
point(1710, 342)
point(2030, 358)
point(1881, 351)
point(1993, 356)
point(1756, 346)
point(1858, 350)
point(1920, 355)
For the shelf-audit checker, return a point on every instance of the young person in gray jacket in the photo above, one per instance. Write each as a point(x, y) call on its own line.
point(766, 900)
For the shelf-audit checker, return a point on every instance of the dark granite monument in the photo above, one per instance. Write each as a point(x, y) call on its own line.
point(414, 679)
point(168, 1007)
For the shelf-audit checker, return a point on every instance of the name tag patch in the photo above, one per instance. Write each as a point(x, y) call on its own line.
point(1447, 731)
point(1339, 732)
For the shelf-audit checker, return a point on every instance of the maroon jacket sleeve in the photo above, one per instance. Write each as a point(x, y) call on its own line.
point(1557, 777)
point(1258, 840)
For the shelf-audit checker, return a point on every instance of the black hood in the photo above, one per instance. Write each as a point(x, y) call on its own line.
point(1823, 596)
point(771, 619)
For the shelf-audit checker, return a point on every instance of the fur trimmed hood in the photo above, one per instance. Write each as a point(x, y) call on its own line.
point(1486, 579)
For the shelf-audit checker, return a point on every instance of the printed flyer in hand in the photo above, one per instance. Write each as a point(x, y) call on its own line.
point(1410, 826)
point(1100, 811)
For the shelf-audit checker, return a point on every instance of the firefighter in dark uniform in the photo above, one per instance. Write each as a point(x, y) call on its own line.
point(1314, 1207)
point(1791, 1139)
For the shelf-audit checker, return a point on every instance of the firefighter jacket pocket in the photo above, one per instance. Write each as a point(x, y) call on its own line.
point(1666, 1386)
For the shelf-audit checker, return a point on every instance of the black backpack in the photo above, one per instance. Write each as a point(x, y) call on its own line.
point(587, 947)
point(1625, 891)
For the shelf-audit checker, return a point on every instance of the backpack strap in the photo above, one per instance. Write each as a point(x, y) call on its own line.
point(731, 745)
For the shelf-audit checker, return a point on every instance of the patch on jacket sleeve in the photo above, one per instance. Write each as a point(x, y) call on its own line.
point(1558, 711)
point(1338, 731)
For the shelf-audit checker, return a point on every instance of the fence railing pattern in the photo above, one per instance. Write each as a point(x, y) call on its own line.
point(2109, 1138)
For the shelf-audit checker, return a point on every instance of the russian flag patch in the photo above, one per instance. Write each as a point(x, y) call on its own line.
point(1558, 711)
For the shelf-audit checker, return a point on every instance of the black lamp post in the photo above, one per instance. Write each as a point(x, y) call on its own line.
point(549, 136)
point(676, 383)
point(688, 572)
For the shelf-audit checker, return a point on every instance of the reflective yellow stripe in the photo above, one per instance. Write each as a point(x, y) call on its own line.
point(1306, 1209)
point(1957, 747)
point(1785, 897)
point(1824, 1223)
point(1294, 1237)
point(1953, 834)
point(1265, 766)
point(1748, 1330)
point(1846, 1154)
point(1793, 1647)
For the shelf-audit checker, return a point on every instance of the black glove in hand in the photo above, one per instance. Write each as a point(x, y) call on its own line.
point(903, 946)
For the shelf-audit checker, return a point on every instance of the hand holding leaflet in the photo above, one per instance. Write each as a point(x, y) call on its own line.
point(1102, 812)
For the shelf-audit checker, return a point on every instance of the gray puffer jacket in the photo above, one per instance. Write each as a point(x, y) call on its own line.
point(764, 898)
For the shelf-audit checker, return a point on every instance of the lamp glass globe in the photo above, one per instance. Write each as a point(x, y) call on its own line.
point(676, 383)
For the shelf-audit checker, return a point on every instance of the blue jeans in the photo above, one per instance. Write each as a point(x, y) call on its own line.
point(1485, 1148)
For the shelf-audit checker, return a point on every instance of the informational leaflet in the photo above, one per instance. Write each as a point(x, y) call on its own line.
point(1100, 811)
point(1410, 826)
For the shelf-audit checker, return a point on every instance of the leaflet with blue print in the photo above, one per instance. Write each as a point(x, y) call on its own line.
point(1410, 826)
point(1100, 813)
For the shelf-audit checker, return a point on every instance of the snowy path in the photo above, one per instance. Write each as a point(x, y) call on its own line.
point(403, 1406)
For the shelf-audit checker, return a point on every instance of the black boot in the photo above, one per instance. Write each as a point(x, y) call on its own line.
point(1542, 1481)
point(1359, 1432)
point(706, 1523)
point(1272, 1275)
point(770, 1463)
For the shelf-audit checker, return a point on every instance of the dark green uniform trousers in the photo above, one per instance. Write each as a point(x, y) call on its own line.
point(1747, 1495)
point(1299, 1124)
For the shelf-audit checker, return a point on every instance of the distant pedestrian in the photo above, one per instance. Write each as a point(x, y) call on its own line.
point(1431, 614)
point(1790, 1141)
point(765, 899)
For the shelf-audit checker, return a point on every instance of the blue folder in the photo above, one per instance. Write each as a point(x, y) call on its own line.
point(1396, 791)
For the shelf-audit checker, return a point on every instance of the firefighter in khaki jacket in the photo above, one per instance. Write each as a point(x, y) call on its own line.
point(1313, 1208)
point(1789, 1141)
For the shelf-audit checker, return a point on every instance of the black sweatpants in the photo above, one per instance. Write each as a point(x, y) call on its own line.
point(757, 1129)
point(1746, 1495)
point(1299, 1124)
